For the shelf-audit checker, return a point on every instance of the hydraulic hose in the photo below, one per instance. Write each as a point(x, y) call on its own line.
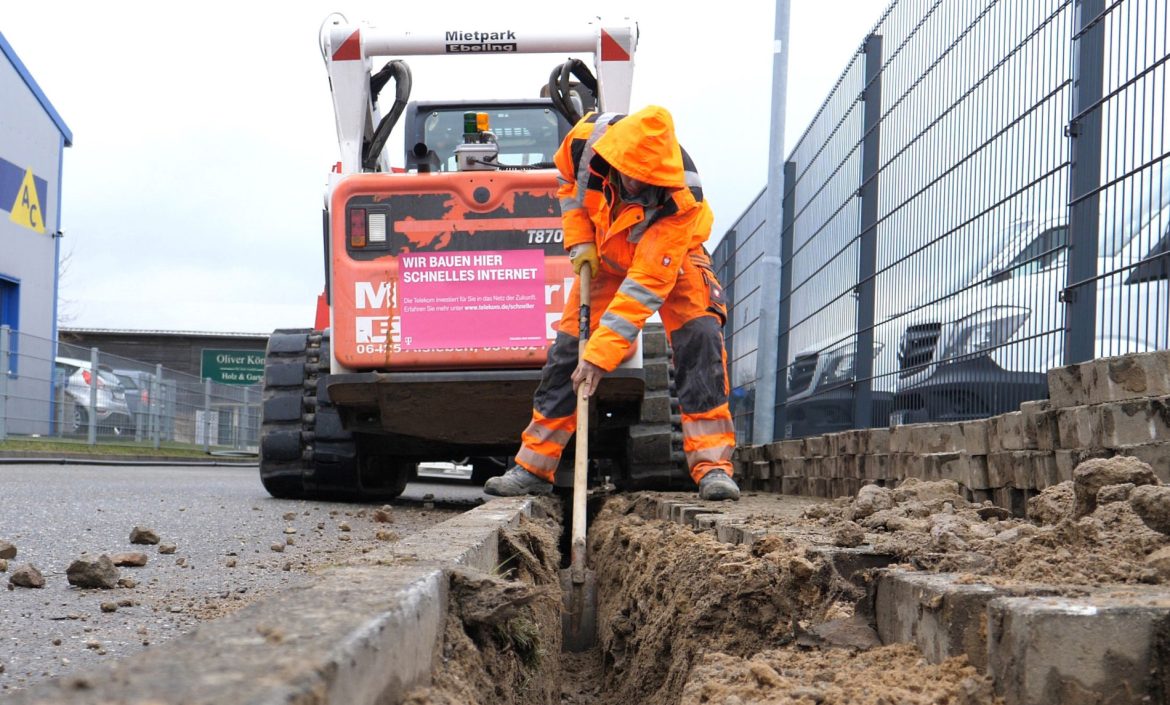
point(400, 72)
point(559, 88)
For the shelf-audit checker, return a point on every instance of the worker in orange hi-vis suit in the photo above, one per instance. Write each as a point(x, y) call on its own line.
point(633, 211)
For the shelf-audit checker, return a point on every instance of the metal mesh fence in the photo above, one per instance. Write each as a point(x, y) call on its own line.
point(51, 393)
point(982, 196)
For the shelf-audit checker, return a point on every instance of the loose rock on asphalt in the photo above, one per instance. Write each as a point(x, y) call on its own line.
point(97, 572)
point(143, 535)
point(26, 576)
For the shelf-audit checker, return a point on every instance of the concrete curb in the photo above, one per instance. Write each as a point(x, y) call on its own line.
point(362, 634)
point(1040, 644)
point(12, 457)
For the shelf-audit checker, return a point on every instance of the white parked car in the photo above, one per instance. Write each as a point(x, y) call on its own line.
point(987, 349)
point(73, 378)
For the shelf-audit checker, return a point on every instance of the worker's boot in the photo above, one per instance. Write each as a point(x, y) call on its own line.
point(716, 486)
point(518, 481)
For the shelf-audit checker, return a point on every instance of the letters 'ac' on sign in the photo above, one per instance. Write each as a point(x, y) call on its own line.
point(22, 194)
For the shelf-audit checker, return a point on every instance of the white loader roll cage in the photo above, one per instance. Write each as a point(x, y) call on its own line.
point(348, 50)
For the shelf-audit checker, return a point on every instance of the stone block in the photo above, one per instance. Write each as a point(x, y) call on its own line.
point(935, 438)
point(900, 438)
point(1000, 469)
point(849, 466)
point(1045, 471)
point(942, 466)
point(876, 467)
point(1022, 469)
point(1066, 386)
point(1136, 422)
point(792, 484)
point(793, 466)
point(1127, 377)
point(1012, 431)
point(1105, 648)
point(761, 470)
point(852, 442)
point(837, 443)
point(727, 532)
point(975, 436)
point(854, 565)
point(705, 522)
point(1156, 455)
point(815, 446)
point(1035, 407)
point(908, 465)
point(1048, 430)
point(1012, 499)
point(944, 618)
point(772, 451)
point(839, 487)
point(790, 450)
point(876, 441)
point(1079, 427)
point(817, 486)
point(1067, 460)
point(975, 474)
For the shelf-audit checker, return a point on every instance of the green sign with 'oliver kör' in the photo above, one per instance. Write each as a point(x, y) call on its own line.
point(233, 366)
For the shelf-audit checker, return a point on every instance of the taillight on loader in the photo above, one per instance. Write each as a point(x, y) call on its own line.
point(357, 227)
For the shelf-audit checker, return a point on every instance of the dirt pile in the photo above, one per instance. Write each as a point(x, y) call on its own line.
point(1084, 532)
point(882, 676)
point(502, 639)
point(669, 594)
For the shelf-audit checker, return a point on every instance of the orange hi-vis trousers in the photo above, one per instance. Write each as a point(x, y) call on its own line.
point(693, 315)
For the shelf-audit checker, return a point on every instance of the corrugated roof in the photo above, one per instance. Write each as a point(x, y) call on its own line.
point(17, 64)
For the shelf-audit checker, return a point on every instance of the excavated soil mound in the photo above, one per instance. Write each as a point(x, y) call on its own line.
point(502, 639)
point(1082, 533)
point(887, 675)
point(682, 612)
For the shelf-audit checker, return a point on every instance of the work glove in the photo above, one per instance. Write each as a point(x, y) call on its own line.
point(585, 252)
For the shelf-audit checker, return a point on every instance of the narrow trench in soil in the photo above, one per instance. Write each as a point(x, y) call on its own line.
point(682, 618)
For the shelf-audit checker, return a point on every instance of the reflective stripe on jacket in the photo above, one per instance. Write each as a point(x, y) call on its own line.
point(643, 238)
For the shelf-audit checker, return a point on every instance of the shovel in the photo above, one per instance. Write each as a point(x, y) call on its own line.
point(579, 586)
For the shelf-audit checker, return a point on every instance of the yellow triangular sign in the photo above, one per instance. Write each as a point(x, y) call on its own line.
point(26, 210)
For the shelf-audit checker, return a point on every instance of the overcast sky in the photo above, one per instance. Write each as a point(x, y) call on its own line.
point(202, 137)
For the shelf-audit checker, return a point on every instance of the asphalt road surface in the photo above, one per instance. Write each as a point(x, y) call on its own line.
point(224, 526)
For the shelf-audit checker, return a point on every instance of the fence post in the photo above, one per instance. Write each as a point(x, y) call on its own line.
point(207, 415)
point(156, 407)
point(867, 242)
point(787, 235)
point(91, 438)
point(1084, 134)
point(243, 415)
point(763, 424)
point(5, 366)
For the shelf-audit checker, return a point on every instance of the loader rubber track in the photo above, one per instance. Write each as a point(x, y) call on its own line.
point(305, 451)
point(288, 413)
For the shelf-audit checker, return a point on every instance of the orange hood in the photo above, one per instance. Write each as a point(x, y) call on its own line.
point(643, 145)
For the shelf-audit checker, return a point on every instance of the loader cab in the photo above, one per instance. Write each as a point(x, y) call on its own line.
point(528, 132)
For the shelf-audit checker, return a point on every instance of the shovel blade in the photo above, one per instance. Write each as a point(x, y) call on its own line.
point(579, 616)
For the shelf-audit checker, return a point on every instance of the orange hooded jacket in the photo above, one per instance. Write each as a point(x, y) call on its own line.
point(642, 238)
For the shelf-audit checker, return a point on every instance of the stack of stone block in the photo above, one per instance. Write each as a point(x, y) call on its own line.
point(1113, 406)
point(1106, 407)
